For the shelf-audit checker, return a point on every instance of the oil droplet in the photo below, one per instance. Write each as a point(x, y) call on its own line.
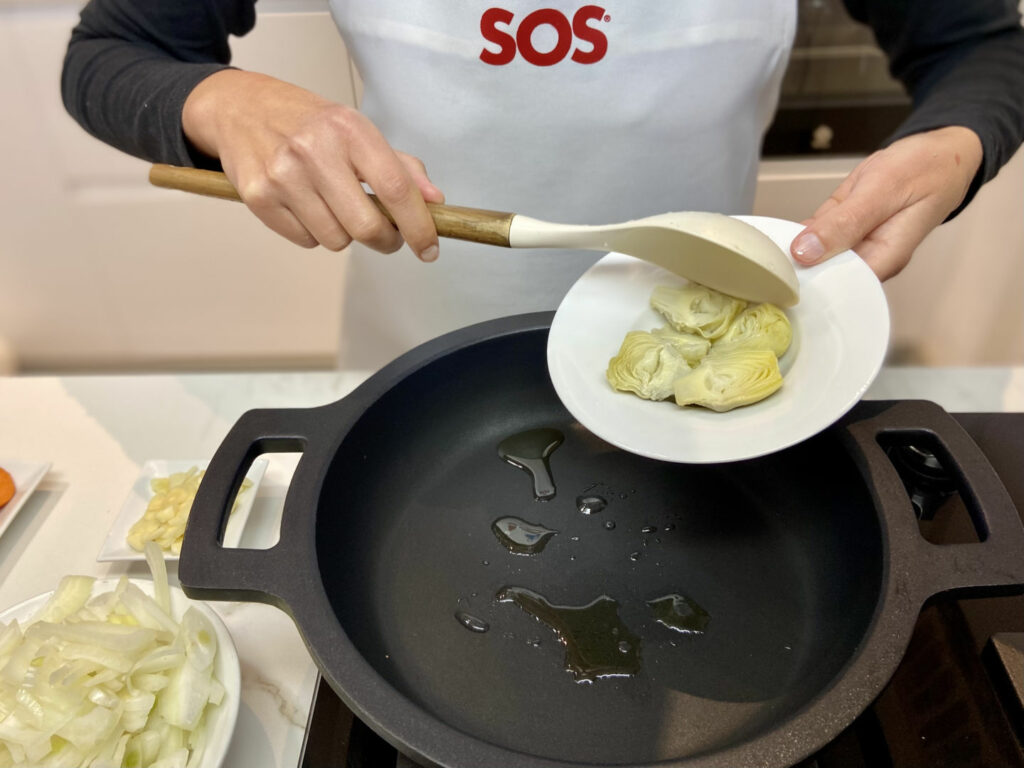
point(593, 634)
point(574, 538)
point(472, 623)
point(486, 562)
point(649, 529)
point(590, 505)
point(680, 613)
point(529, 451)
point(521, 537)
point(572, 557)
point(670, 527)
point(610, 525)
point(533, 642)
point(634, 556)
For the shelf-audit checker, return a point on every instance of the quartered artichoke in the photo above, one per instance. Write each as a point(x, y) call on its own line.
point(693, 308)
point(647, 366)
point(762, 326)
point(730, 378)
point(692, 347)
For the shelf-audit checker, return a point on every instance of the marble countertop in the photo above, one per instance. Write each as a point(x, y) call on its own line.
point(98, 431)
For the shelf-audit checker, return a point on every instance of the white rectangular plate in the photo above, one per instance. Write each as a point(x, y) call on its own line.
point(115, 547)
point(26, 476)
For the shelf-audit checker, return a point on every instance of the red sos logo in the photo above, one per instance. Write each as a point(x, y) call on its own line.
point(510, 39)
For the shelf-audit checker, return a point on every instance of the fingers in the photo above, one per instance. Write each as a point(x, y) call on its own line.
point(855, 209)
point(419, 174)
point(283, 199)
point(357, 214)
point(889, 248)
point(299, 162)
point(892, 200)
point(376, 163)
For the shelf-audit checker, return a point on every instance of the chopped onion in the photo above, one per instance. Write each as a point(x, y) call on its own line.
point(107, 680)
point(163, 522)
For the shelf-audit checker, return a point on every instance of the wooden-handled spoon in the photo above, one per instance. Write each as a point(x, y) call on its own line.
point(715, 250)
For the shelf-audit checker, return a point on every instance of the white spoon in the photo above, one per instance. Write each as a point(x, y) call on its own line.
point(712, 249)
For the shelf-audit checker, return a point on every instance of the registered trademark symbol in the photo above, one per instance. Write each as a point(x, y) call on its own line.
point(607, 18)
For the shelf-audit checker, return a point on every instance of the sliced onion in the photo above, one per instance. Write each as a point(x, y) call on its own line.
point(107, 680)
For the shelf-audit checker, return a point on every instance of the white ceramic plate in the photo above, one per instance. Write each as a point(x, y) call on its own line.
point(221, 719)
point(115, 546)
point(26, 476)
point(840, 336)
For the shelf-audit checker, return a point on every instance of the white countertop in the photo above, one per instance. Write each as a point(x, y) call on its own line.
point(98, 432)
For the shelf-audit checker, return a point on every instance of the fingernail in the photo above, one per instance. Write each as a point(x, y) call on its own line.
point(808, 248)
point(429, 253)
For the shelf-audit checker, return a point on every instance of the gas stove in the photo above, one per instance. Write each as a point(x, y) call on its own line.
point(956, 700)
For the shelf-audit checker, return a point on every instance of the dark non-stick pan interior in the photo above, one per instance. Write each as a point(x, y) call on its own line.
point(784, 553)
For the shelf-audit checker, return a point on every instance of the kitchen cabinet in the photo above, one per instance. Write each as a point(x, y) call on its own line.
point(98, 270)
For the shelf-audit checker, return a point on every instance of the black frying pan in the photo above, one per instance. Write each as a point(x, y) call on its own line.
point(808, 561)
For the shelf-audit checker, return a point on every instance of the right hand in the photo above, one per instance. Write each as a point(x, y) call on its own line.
point(298, 161)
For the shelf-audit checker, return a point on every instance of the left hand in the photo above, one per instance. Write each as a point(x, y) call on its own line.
point(892, 200)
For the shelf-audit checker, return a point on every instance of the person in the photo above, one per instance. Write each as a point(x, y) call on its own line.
point(571, 113)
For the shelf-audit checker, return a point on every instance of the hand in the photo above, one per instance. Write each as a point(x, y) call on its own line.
point(297, 161)
point(887, 205)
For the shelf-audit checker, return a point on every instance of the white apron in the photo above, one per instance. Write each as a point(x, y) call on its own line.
point(561, 111)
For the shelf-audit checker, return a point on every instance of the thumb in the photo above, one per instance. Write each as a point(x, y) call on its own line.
point(843, 222)
point(418, 171)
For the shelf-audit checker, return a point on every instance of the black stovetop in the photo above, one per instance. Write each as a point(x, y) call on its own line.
point(955, 701)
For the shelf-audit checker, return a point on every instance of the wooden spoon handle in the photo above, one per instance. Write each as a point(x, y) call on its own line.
point(474, 224)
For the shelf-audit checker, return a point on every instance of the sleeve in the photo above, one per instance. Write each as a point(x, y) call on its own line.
point(131, 64)
point(962, 63)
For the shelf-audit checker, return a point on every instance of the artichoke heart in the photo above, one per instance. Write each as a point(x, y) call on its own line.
point(729, 379)
point(763, 326)
point(692, 308)
point(692, 347)
point(646, 366)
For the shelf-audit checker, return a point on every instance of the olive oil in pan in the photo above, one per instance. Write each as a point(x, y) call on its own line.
point(680, 613)
point(590, 505)
point(530, 451)
point(521, 537)
point(471, 622)
point(597, 643)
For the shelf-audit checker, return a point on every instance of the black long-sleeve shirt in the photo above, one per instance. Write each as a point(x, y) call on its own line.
point(131, 64)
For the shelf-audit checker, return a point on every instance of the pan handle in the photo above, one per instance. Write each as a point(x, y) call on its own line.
point(996, 562)
point(207, 570)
